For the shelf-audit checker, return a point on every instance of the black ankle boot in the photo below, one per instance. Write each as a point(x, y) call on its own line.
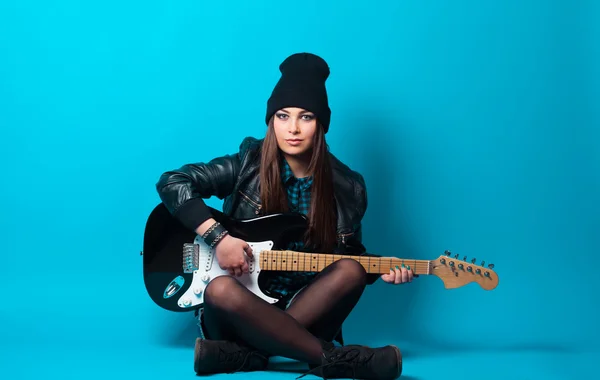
point(359, 362)
point(217, 356)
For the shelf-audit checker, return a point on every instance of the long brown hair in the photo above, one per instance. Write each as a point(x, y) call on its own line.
point(321, 233)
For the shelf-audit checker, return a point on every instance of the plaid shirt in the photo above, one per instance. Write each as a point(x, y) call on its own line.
point(286, 284)
point(298, 190)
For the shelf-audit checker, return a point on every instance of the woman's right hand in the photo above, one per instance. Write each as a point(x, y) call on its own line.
point(230, 255)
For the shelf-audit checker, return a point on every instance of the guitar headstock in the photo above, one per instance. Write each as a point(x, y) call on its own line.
point(456, 273)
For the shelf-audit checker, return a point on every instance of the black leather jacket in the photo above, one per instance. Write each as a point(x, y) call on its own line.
point(235, 179)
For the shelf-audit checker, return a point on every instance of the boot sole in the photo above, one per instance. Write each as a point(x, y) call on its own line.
point(197, 347)
point(399, 357)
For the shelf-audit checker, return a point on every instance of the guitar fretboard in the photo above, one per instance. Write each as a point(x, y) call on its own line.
point(294, 261)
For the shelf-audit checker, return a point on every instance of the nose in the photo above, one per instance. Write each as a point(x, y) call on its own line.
point(294, 126)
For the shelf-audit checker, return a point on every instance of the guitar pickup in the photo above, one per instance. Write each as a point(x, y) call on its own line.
point(191, 257)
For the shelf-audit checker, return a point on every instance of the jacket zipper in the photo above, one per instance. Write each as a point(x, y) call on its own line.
point(342, 237)
point(256, 205)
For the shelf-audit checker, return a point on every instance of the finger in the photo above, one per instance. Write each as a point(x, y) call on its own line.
point(248, 250)
point(404, 274)
point(389, 277)
point(245, 267)
point(240, 267)
point(398, 275)
point(410, 274)
point(231, 271)
point(238, 271)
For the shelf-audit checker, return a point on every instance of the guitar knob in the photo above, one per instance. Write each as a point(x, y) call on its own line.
point(205, 277)
point(187, 302)
point(491, 266)
point(197, 291)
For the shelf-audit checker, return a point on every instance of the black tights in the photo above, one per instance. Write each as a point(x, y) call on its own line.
point(232, 312)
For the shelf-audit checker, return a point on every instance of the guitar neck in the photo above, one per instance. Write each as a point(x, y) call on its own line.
point(293, 261)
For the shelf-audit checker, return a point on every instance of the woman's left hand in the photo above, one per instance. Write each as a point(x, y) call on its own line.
point(399, 275)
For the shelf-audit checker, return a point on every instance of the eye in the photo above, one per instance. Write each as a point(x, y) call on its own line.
point(282, 116)
point(308, 117)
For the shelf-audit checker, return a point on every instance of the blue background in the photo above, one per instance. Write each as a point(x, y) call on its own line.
point(475, 124)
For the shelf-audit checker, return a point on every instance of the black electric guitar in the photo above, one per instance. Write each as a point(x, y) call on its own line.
point(178, 265)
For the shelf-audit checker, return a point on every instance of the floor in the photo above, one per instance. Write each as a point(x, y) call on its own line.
point(46, 360)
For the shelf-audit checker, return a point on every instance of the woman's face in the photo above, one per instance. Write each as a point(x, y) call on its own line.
point(294, 129)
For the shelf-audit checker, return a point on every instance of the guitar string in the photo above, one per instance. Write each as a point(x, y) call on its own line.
point(321, 260)
point(325, 256)
point(326, 259)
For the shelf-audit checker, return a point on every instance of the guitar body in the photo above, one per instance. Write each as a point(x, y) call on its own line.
point(178, 265)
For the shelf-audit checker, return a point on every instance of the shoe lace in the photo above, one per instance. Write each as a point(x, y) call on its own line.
point(236, 355)
point(349, 358)
point(227, 356)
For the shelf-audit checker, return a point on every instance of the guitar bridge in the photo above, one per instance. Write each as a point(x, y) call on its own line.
point(191, 257)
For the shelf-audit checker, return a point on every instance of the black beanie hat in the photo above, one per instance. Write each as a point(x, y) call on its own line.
point(302, 85)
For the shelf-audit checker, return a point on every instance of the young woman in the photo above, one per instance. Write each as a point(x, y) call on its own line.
point(291, 169)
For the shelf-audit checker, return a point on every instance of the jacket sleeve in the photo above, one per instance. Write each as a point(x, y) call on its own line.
point(182, 190)
point(354, 243)
point(355, 246)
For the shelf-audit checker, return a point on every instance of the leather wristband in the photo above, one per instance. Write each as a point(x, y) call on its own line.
point(214, 234)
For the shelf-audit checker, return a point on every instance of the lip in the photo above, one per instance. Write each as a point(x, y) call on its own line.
point(293, 141)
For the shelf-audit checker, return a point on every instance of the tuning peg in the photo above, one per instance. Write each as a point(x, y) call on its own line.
point(465, 258)
point(447, 253)
point(456, 256)
point(491, 266)
point(473, 260)
point(483, 263)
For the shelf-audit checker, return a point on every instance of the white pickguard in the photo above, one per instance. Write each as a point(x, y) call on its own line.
point(208, 270)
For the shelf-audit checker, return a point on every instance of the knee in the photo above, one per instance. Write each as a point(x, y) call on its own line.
point(218, 293)
point(352, 271)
